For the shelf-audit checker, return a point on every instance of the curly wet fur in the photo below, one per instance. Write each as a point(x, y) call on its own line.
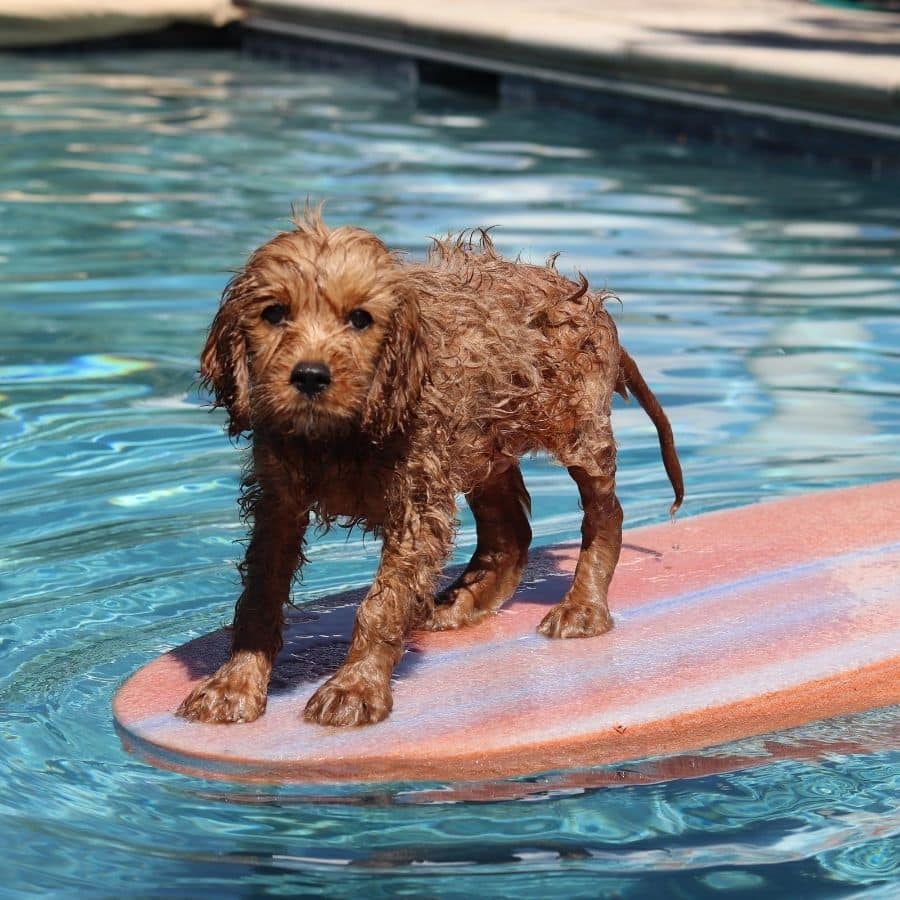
point(470, 361)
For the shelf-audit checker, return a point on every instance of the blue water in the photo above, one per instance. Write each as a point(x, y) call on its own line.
point(759, 297)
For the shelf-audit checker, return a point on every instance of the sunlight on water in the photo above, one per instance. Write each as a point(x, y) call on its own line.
point(759, 299)
point(79, 367)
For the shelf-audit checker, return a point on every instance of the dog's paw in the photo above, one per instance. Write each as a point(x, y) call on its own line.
point(349, 698)
point(233, 694)
point(573, 620)
point(456, 613)
point(473, 598)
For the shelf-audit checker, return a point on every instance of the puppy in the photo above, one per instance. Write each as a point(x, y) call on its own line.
point(376, 391)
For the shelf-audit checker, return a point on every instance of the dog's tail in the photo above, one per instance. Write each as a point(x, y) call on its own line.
point(630, 378)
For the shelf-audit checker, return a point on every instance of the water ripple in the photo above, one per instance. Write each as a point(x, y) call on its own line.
point(759, 299)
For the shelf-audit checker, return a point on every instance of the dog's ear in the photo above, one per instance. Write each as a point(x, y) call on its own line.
point(223, 362)
point(400, 372)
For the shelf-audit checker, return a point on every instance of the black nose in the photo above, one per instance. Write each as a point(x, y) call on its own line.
point(311, 378)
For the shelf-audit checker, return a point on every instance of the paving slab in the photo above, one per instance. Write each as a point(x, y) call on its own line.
point(39, 23)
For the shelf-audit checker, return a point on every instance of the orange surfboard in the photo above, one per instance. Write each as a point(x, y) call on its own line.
point(727, 625)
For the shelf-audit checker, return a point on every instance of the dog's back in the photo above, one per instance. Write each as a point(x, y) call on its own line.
point(523, 357)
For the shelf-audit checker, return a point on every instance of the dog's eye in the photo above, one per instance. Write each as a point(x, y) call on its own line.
point(275, 313)
point(359, 319)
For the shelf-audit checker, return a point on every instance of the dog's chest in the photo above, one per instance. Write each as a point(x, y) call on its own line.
point(351, 485)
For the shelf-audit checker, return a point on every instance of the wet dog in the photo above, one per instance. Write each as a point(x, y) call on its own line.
point(376, 391)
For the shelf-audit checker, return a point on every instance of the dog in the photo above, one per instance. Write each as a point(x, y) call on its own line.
point(375, 391)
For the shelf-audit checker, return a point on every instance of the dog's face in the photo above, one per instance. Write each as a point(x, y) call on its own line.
point(316, 336)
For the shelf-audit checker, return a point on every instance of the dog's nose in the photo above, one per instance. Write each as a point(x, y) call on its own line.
point(311, 378)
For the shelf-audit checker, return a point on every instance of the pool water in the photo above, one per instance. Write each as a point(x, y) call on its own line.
point(759, 297)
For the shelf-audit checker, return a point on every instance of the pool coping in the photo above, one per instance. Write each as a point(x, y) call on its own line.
point(795, 77)
point(761, 104)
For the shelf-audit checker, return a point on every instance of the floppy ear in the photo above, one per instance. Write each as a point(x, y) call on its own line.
point(223, 362)
point(400, 373)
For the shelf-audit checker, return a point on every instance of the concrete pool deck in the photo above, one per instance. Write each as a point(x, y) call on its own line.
point(41, 23)
point(814, 78)
point(824, 66)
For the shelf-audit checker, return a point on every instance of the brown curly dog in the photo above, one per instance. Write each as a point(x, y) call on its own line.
point(376, 391)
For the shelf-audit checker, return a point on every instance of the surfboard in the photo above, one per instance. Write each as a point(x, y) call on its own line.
point(727, 625)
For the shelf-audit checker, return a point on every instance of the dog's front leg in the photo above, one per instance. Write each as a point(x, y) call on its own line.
point(414, 550)
point(236, 692)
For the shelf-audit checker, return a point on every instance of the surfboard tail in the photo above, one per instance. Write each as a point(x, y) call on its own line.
point(630, 379)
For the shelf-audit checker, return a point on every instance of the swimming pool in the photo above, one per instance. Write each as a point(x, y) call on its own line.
point(759, 298)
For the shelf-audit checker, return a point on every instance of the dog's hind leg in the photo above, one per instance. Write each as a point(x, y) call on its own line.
point(584, 611)
point(501, 507)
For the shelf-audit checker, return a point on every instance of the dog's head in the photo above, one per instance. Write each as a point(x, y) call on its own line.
point(317, 335)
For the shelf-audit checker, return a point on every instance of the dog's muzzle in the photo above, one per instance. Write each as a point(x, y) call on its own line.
point(311, 378)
